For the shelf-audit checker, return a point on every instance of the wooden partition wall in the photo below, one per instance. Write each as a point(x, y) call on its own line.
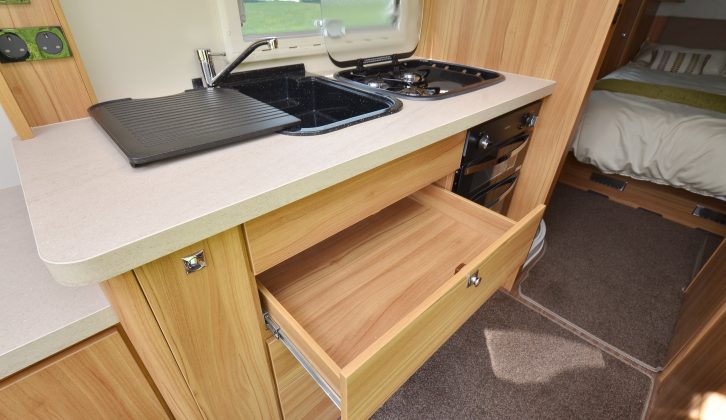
point(35, 93)
point(560, 40)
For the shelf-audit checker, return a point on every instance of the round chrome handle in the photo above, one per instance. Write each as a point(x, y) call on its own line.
point(484, 141)
point(473, 280)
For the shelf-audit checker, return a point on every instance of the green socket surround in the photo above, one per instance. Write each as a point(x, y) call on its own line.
point(28, 35)
point(14, 1)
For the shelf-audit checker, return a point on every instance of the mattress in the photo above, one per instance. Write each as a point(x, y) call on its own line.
point(654, 140)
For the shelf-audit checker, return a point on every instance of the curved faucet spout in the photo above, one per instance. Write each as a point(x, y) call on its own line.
point(205, 60)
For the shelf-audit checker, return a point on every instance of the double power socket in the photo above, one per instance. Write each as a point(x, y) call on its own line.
point(41, 43)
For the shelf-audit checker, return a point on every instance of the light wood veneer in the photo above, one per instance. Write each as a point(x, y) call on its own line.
point(282, 233)
point(300, 397)
point(128, 301)
point(211, 320)
point(369, 305)
point(96, 379)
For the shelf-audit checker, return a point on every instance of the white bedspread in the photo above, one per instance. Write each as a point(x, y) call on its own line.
point(655, 140)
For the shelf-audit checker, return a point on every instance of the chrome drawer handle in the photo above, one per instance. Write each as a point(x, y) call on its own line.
point(473, 280)
point(194, 262)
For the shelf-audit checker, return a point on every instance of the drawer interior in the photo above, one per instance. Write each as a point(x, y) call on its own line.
point(346, 292)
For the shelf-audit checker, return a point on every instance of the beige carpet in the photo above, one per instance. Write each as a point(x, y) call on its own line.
point(509, 362)
point(615, 272)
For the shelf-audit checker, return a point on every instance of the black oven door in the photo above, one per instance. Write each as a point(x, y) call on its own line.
point(498, 195)
point(475, 176)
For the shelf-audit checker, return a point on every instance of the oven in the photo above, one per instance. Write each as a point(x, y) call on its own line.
point(493, 155)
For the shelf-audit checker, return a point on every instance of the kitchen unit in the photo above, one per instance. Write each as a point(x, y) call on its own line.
point(191, 253)
point(251, 227)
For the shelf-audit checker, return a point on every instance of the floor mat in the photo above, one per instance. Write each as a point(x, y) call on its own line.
point(616, 272)
point(510, 362)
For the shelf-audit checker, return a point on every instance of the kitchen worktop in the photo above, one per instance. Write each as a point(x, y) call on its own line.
point(94, 216)
point(39, 316)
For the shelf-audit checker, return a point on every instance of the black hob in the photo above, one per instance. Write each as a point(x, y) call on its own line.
point(421, 79)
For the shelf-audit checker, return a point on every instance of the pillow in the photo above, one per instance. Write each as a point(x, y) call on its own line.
point(676, 59)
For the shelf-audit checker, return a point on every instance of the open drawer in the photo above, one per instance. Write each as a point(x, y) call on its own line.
point(365, 308)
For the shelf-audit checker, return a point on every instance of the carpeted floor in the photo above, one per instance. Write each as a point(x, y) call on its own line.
point(616, 272)
point(510, 362)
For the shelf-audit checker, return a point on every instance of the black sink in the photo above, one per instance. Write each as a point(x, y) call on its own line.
point(322, 104)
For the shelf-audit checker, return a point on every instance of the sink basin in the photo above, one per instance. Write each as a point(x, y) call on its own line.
point(322, 104)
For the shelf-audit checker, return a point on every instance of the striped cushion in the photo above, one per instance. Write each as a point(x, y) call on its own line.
point(678, 61)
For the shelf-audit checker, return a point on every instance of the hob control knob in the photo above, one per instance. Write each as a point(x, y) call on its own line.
point(529, 120)
point(484, 141)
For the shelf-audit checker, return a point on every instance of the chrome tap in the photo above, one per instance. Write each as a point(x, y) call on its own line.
point(210, 78)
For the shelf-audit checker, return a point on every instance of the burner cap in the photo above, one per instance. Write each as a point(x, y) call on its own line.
point(411, 78)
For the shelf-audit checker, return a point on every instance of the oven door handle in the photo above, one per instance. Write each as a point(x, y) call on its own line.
point(520, 142)
point(512, 181)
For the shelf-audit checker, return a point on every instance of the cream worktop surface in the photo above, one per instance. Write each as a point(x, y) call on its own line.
point(39, 316)
point(94, 216)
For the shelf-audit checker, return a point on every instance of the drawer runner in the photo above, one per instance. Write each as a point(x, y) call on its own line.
point(278, 334)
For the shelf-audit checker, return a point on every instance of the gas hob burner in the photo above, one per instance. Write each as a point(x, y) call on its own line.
point(421, 79)
point(411, 78)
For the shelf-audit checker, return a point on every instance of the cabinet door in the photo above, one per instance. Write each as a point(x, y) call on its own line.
point(212, 321)
point(97, 379)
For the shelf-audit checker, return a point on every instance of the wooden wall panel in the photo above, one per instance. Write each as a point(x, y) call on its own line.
point(213, 323)
point(96, 379)
point(560, 40)
point(46, 91)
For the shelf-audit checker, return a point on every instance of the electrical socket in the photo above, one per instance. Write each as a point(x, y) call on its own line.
point(39, 43)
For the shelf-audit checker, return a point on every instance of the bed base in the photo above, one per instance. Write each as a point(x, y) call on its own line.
point(677, 205)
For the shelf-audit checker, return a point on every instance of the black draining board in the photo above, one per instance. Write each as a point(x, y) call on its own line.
point(147, 130)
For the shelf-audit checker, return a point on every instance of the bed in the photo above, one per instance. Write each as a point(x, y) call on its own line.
point(680, 144)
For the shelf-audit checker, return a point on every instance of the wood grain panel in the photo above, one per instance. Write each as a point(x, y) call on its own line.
point(46, 91)
point(560, 40)
point(96, 379)
point(378, 372)
point(300, 397)
point(705, 297)
point(212, 322)
point(688, 379)
point(128, 301)
point(280, 234)
point(672, 203)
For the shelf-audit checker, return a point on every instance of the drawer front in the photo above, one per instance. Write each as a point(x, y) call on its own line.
point(373, 377)
point(278, 235)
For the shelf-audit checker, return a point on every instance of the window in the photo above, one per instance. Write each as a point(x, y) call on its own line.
point(280, 18)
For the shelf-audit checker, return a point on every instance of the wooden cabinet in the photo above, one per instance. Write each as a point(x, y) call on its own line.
point(96, 379)
point(364, 303)
point(363, 282)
